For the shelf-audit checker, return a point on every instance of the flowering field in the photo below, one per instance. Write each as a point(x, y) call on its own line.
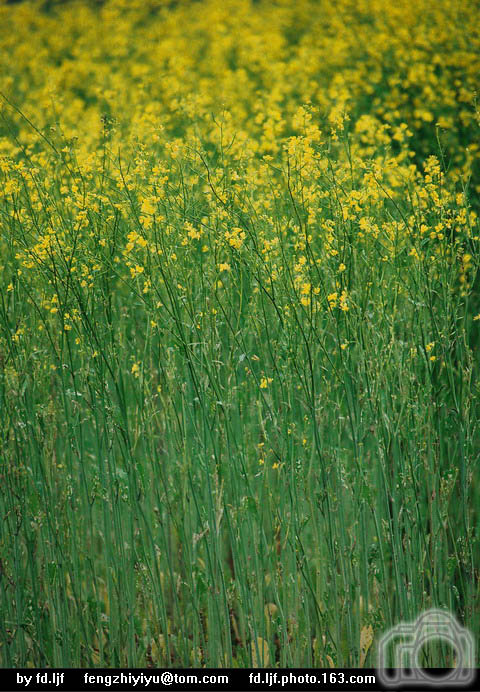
point(239, 328)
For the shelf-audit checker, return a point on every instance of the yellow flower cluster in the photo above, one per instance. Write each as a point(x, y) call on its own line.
point(264, 138)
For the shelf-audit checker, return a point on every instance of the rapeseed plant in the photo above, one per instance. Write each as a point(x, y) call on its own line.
point(238, 328)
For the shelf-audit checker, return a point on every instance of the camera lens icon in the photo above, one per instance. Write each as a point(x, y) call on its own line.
point(400, 651)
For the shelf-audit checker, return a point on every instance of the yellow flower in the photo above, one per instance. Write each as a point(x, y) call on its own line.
point(135, 271)
point(332, 299)
point(235, 237)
